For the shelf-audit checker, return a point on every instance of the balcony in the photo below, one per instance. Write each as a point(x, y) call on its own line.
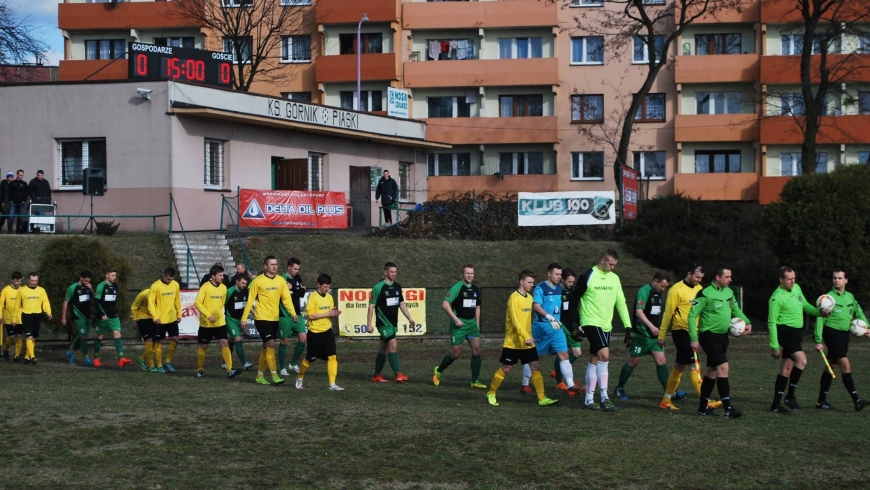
point(508, 184)
point(781, 130)
point(717, 68)
point(474, 73)
point(786, 69)
point(770, 188)
point(718, 187)
point(786, 11)
point(718, 127)
point(492, 130)
point(125, 15)
point(342, 68)
point(71, 70)
point(350, 12)
point(749, 12)
point(479, 15)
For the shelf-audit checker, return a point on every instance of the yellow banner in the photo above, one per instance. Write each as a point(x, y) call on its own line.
point(354, 306)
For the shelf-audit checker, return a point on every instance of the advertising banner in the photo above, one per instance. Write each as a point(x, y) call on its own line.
point(629, 193)
point(292, 209)
point(189, 324)
point(397, 102)
point(566, 208)
point(354, 306)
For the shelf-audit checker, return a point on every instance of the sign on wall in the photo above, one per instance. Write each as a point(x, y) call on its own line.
point(354, 306)
point(189, 324)
point(629, 193)
point(566, 208)
point(292, 209)
point(397, 102)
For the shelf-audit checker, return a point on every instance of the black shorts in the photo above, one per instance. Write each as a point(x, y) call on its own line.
point(12, 330)
point(267, 329)
point(30, 324)
point(837, 342)
point(207, 334)
point(145, 327)
point(789, 340)
point(685, 353)
point(715, 345)
point(171, 329)
point(512, 356)
point(598, 338)
point(320, 345)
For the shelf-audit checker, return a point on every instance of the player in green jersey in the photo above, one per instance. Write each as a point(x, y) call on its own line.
point(108, 320)
point(77, 302)
point(462, 305)
point(289, 327)
point(237, 297)
point(385, 302)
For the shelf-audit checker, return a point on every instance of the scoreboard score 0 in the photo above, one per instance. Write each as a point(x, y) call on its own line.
point(152, 62)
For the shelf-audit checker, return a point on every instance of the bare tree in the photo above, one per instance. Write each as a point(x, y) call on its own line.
point(253, 31)
point(19, 43)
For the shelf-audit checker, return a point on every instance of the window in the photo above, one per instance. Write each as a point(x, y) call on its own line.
point(105, 1)
point(587, 108)
point(446, 164)
point(520, 47)
point(448, 107)
point(653, 2)
point(652, 108)
point(520, 105)
point(76, 155)
point(793, 44)
point(296, 49)
point(641, 50)
point(214, 163)
point(790, 164)
point(315, 171)
point(105, 49)
point(717, 44)
point(521, 163)
point(587, 50)
point(717, 161)
point(372, 100)
point(718, 103)
point(372, 42)
point(238, 3)
point(176, 42)
point(863, 102)
point(297, 96)
point(587, 3)
point(239, 47)
point(295, 2)
point(405, 181)
point(864, 44)
point(587, 165)
point(864, 157)
point(650, 164)
point(792, 105)
point(449, 49)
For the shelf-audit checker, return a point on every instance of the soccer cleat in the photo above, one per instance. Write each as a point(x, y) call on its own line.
point(153, 370)
point(593, 407)
point(71, 357)
point(401, 378)
point(160, 370)
point(26, 360)
point(859, 403)
point(436, 378)
point(261, 381)
point(200, 374)
point(490, 397)
point(123, 362)
point(232, 373)
point(562, 386)
point(679, 395)
point(707, 412)
point(248, 365)
point(33, 362)
point(825, 406)
point(553, 374)
point(546, 401)
point(525, 390)
point(576, 389)
point(608, 406)
point(293, 367)
point(88, 361)
point(732, 413)
point(780, 409)
point(379, 378)
point(97, 362)
point(169, 367)
point(298, 383)
point(284, 373)
point(792, 404)
point(277, 380)
point(620, 395)
point(668, 406)
point(142, 364)
point(335, 387)
point(478, 385)
point(714, 404)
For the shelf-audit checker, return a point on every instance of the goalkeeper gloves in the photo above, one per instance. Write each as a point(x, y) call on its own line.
point(577, 333)
point(628, 336)
point(553, 322)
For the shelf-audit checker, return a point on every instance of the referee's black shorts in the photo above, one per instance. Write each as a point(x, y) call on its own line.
point(790, 340)
point(837, 342)
point(715, 345)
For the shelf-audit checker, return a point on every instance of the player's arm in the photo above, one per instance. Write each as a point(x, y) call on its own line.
point(860, 313)
point(152, 305)
point(287, 301)
point(810, 309)
point(373, 303)
point(697, 305)
point(518, 320)
point(448, 307)
point(16, 313)
point(404, 308)
point(177, 301)
point(621, 307)
point(772, 315)
point(477, 313)
point(46, 306)
point(817, 333)
point(67, 297)
point(98, 295)
point(737, 312)
point(671, 301)
point(639, 303)
point(200, 305)
point(252, 295)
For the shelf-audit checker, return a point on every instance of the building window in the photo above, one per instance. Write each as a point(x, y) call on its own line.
point(717, 44)
point(238, 3)
point(864, 157)
point(176, 42)
point(653, 2)
point(287, 3)
point(448, 107)
point(790, 164)
point(105, 49)
point(587, 3)
point(520, 47)
point(405, 181)
point(863, 102)
point(717, 161)
point(521, 163)
point(73, 156)
point(718, 103)
point(641, 50)
point(652, 108)
point(296, 49)
point(587, 108)
point(588, 50)
point(370, 99)
point(793, 44)
point(214, 164)
point(449, 49)
point(372, 42)
point(864, 44)
point(520, 105)
point(792, 105)
point(297, 96)
point(650, 164)
point(449, 164)
point(315, 171)
point(587, 165)
point(242, 44)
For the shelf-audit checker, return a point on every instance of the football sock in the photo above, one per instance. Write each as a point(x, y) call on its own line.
point(19, 344)
point(75, 342)
point(31, 348)
point(200, 359)
point(673, 383)
point(696, 379)
point(231, 345)
point(567, 372)
point(303, 368)
point(98, 344)
point(445, 363)
point(603, 375)
point(724, 391)
point(476, 361)
point(119, 347)
point(83, 345)
point(538, 383)
point(7, 344)
point(394, 362)
point(558, 369)
point(662, 373)
point(170, 352)
point(149, 354)
point(270, 360)
point(848, 382)
point(158, 354)
point(282, 355)
point(262, 365)
point(706, 390)
point(298, 350)
point(379, 363)
point(793, 381)
point(824, 386)
point(228, 357)
point(591, 381)
point(331, 368)
point(778, 390)
point(527, 374)
point(240, 351)
point(624, 374)
point(497, 378)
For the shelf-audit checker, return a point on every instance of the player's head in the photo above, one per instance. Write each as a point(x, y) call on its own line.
point(241, 281)
point(661, 280)
point(840, 278)
point(468, 273)
point(240, 268)
point(569, 277)
point(722, 276)
point(323, 283)
point(390, 271)
point(787, 277)
point(217, 273)
point(168, 275)
point(694, 274)
point(608, 260)
point(554, 273)
point(293, 266)
point(16, 278)
point(270, 265)
point(32, 279)
point(111, 274)
point(527, 280)
point(85, 277)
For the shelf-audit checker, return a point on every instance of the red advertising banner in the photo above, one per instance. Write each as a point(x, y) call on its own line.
point(629, 193)
point(292, 209)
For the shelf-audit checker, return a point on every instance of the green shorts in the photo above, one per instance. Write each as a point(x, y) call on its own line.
point(234, 328)
point(641, 346)
point(287, 327)
point(82, 325)
point(572, 344)
point(387, 333)
point(469, 329)
point(108, 326)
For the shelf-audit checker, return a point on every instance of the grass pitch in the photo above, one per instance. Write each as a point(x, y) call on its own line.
point(76, 427)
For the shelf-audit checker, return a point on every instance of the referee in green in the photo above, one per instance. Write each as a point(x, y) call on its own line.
point(785, 322)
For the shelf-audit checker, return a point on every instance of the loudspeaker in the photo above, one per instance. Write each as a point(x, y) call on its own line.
point(93, 181)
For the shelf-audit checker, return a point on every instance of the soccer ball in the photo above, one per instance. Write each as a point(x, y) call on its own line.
point(825, 303)
point(737, 327)
point(857, 327)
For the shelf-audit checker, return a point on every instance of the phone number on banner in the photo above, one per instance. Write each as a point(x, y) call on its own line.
point(354, 306)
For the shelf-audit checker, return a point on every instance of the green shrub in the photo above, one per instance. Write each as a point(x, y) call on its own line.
point(106, 228)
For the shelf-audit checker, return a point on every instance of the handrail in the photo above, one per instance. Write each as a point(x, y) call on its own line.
point(234, 223)
point(189, 256)
point(70, 217)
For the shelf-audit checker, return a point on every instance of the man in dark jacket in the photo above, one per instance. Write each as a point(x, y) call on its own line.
point(4, 196)
point(18, 194)
point(388, 192)
point(40, 191)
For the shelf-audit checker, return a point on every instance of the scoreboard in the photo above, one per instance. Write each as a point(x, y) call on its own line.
point(152, 62)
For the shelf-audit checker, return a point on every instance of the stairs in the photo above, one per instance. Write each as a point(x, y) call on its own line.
point(205, 249)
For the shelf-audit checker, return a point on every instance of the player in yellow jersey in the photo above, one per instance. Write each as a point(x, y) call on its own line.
point(164, 307)
point(269, 291)
point(519, 346)
point(321, 340)
point(9, 306)
point(145, 325)
point(212, 321)
point(32, 304)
